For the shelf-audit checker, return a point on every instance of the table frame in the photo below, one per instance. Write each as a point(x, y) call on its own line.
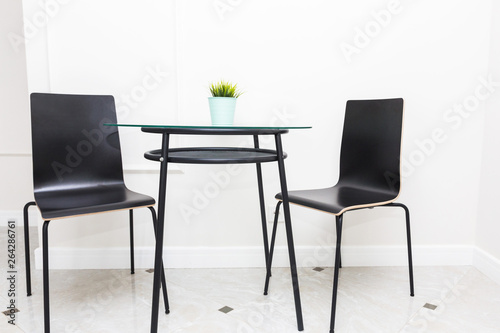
point(260, 156)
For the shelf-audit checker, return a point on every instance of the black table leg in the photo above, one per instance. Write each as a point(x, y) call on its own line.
point(271, 249)
point(163, 279)
point(159, 234)
point(263, 214)
point(289, 236)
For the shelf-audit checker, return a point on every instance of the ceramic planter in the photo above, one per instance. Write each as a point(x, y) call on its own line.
point(222, 110)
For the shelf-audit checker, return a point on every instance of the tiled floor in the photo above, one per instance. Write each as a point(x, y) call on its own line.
point(372, 299)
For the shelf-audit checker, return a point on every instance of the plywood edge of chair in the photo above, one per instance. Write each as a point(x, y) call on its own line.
point(375, 204)
point(88, 214)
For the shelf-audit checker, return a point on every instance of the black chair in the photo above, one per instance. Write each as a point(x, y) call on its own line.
point(369, 173)
point(77, 170)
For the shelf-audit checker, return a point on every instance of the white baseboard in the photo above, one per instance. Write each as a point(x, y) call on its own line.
point(233, 257)
point(487, 264)
point(17, 216)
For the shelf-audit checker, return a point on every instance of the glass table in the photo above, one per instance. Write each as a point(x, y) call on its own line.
point(221, 155)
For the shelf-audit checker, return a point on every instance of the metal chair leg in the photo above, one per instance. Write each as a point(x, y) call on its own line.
point(163, 280)
point(46, 293)
point(271, 250)
point(340, 254)
point(27, 246)
point(45, 258)
point(408, 240)
point(336, 273)
point(131, 223)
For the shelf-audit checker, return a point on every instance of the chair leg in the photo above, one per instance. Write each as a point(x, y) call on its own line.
point(27, 246)
point(408, 240)
point(271, 250)
point(45, 258)
point(336, 272)
point(163, 280)
point(340, 254)
point(131, 223)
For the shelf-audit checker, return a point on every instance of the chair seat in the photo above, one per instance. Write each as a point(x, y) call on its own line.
point(94, 199)
point(339, 198)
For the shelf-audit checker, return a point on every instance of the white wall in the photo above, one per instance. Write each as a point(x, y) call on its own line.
point(298, 62)
point(488, 222)
point(15, 134)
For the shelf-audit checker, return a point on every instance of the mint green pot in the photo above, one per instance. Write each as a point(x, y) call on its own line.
point(222, 110)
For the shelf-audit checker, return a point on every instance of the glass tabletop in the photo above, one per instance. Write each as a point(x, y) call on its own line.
point(243, 127)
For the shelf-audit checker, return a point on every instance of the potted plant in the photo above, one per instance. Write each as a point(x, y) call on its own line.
point(223, 102)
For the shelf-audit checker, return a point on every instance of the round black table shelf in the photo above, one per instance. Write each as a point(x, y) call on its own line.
point(215, 155)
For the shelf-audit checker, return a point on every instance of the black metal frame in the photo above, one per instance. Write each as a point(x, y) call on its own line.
point(338, 260)
point(260, 156)
point(131, 227)
point(27, 256)
point(28, 252)
point(45, 260)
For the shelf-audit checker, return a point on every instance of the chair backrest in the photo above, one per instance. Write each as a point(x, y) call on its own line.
point(71, 146)
point(371, 144)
